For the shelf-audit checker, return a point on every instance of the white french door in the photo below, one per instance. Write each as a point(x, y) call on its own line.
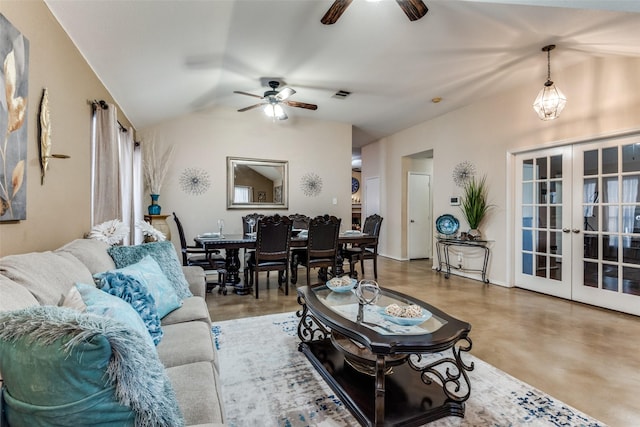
point(578, 214)
point(543, 201)
point(606, 270)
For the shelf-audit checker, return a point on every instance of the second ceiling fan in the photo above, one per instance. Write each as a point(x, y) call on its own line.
point(273, 98)
point(414, 9)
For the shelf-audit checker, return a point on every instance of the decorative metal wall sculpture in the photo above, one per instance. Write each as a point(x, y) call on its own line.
point(311, 184)
point(14, 54)
point(194, 181)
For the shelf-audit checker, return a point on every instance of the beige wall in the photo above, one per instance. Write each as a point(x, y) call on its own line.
point(57, 211)
point(603, 98)
point(204, 140)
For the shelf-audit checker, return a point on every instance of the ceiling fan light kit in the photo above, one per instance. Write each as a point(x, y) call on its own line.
point(274, 99)
point(550, 100)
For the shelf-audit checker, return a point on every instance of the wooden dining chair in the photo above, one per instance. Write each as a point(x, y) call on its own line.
point(272, 250)
point(322, 244)
point(372, 225)
point(210, 261)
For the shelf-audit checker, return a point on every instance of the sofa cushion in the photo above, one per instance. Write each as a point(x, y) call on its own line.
point(92, 253)
point(197, 280)
point(186, 343)
point(134, 292)
point(163, 252)
point(150, 274)
point(193, 308)
point(14, 296)
point(47, 275)
point(103, 304)
point(69, 369)
point(198, 397)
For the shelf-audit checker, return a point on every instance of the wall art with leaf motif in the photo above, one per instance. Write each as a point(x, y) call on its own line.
point(14, 78)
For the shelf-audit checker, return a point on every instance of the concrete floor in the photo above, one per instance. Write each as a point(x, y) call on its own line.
point(585, 356)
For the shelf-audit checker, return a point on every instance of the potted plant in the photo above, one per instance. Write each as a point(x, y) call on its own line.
point(474, 204)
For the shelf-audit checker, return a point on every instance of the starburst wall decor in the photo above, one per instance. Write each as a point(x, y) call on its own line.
point(311, 184)
point(195, 181)
point(463, 172)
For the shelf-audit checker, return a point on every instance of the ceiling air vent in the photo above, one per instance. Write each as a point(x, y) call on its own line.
point(341, 94)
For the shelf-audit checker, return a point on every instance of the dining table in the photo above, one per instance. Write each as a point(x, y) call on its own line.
point(232, 243)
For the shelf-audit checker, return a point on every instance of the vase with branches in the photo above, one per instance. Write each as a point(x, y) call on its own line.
point(474, 203)
point(155, 168)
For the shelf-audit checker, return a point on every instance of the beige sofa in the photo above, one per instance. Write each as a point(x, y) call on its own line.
point(187, 350)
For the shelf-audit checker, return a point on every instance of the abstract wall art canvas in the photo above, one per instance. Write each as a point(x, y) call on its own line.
point(14, 91)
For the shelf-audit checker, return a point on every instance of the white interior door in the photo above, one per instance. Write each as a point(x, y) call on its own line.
point(419, 230)
point(543, 217)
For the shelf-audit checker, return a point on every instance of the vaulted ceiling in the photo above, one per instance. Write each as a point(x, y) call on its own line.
point(163, 59)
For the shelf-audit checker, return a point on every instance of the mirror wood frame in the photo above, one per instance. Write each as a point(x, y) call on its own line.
point(235, 162)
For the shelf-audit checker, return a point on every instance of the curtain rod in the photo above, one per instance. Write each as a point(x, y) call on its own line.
point(105, 106)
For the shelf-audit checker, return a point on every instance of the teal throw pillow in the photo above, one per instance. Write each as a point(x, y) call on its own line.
point(164, 253)
point(150, 274)
point(65, 368)
point(104, 304)
point(134, 292)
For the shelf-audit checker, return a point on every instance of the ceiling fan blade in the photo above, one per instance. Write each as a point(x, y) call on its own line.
point(285, 93)
point(248, 94)
point(242, 110)
point(335, 11)
point(301, 105)
point(415, 9)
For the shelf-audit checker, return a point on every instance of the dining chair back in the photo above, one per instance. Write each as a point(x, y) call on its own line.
point(300, 221)
point(272, 249)
point(322, 244)
point(246, 226)
point(209, 260)
point(372, 226)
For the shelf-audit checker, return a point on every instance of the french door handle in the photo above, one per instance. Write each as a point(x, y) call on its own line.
point(576, 230)
point(565, 230)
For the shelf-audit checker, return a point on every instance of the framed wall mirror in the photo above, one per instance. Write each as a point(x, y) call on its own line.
point(257, 183)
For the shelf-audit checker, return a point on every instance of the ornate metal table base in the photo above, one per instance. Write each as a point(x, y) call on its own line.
point(417, 392)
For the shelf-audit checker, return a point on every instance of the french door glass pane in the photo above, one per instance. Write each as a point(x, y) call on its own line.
point(555, 167)
point(527, 170)
point(590, 162)
point(542, 217)
point(631, 250)
point(555, 243)
point(610, 160)
point(610, 247)
point(610, 218)
point(542, 242)
point(555, 218)
point(590, 274)
point(610, 190)
point(631, 280)
point(527, 193)
point(527, 263)
point(591, 246)
point(631, 158)
point(541, 266)
point(630, 189)
point(555, 192)
point(610, 277)
point(541, 163)
point(555, 268)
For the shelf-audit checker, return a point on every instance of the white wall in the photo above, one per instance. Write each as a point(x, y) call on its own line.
point(205, 139)
point(603, 97)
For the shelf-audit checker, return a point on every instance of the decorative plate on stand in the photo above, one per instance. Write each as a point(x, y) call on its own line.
point(447, 224)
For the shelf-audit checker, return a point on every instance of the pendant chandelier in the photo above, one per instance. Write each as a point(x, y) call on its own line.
point(550, 101)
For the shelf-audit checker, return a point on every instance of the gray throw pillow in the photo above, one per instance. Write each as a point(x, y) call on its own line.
point(164, 253)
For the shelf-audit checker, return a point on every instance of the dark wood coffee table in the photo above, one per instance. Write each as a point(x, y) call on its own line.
point(382, 371)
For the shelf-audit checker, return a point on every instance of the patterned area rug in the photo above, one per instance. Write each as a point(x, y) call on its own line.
point(267, 382)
